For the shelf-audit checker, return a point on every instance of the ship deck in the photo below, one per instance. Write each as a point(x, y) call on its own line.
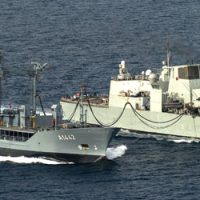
point(94, 101)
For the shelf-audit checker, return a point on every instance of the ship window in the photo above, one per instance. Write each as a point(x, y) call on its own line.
point(190, 72)
point(15, 135)
point(20, 134)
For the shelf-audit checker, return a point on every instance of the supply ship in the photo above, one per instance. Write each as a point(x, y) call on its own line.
point(26, 131)
point(164, 101)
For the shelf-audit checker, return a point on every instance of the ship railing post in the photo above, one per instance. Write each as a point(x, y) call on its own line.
point(81, 107)
point(86, 116)
point(55, 125)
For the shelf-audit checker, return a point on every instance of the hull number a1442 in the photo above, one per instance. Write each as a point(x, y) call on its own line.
point(66, 137)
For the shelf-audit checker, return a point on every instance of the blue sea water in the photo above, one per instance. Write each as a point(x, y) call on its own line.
point(84, 41)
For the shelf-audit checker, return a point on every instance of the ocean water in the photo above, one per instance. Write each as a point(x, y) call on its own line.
point(83, 42)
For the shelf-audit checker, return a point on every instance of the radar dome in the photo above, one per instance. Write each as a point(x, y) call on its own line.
point(148, 72)
point(152, 78)
point(122, 62)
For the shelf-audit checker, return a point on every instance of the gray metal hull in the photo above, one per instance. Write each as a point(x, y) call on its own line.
point(79, 145)
point(186, 126)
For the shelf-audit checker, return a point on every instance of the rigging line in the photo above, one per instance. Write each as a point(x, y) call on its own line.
point(161, 122)
point(136, 113)
point(41, 104)
point(151, 126)
point(109, 124)
point(154, 127)
point(73, 113)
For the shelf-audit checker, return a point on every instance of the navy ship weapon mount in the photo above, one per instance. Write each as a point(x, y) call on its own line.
point(29, 132)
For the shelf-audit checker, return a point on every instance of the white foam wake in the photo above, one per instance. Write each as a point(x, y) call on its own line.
point(30, 160)
point(187, 140)
point(169, 138)
point(115, 152)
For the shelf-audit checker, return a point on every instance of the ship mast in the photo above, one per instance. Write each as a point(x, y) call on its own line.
point(1, 77)
point(168, 52)
point(37, 68)
point(81, 107)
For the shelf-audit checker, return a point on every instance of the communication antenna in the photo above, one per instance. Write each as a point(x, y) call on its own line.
point(1, 77)
point(168, 52)
point(37, 68)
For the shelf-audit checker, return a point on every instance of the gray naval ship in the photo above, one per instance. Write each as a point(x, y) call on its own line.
point(162, 101)
point(33, 133)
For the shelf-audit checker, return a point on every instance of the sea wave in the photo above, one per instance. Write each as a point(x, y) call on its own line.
point(185, 140)
point(169, 138)
point(116, 152)
point(31, 160)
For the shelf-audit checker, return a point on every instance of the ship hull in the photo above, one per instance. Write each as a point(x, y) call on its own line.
point(183, 125)
point(78, 145)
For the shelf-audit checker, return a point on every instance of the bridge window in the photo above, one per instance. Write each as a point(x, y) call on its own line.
point(189, 72)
